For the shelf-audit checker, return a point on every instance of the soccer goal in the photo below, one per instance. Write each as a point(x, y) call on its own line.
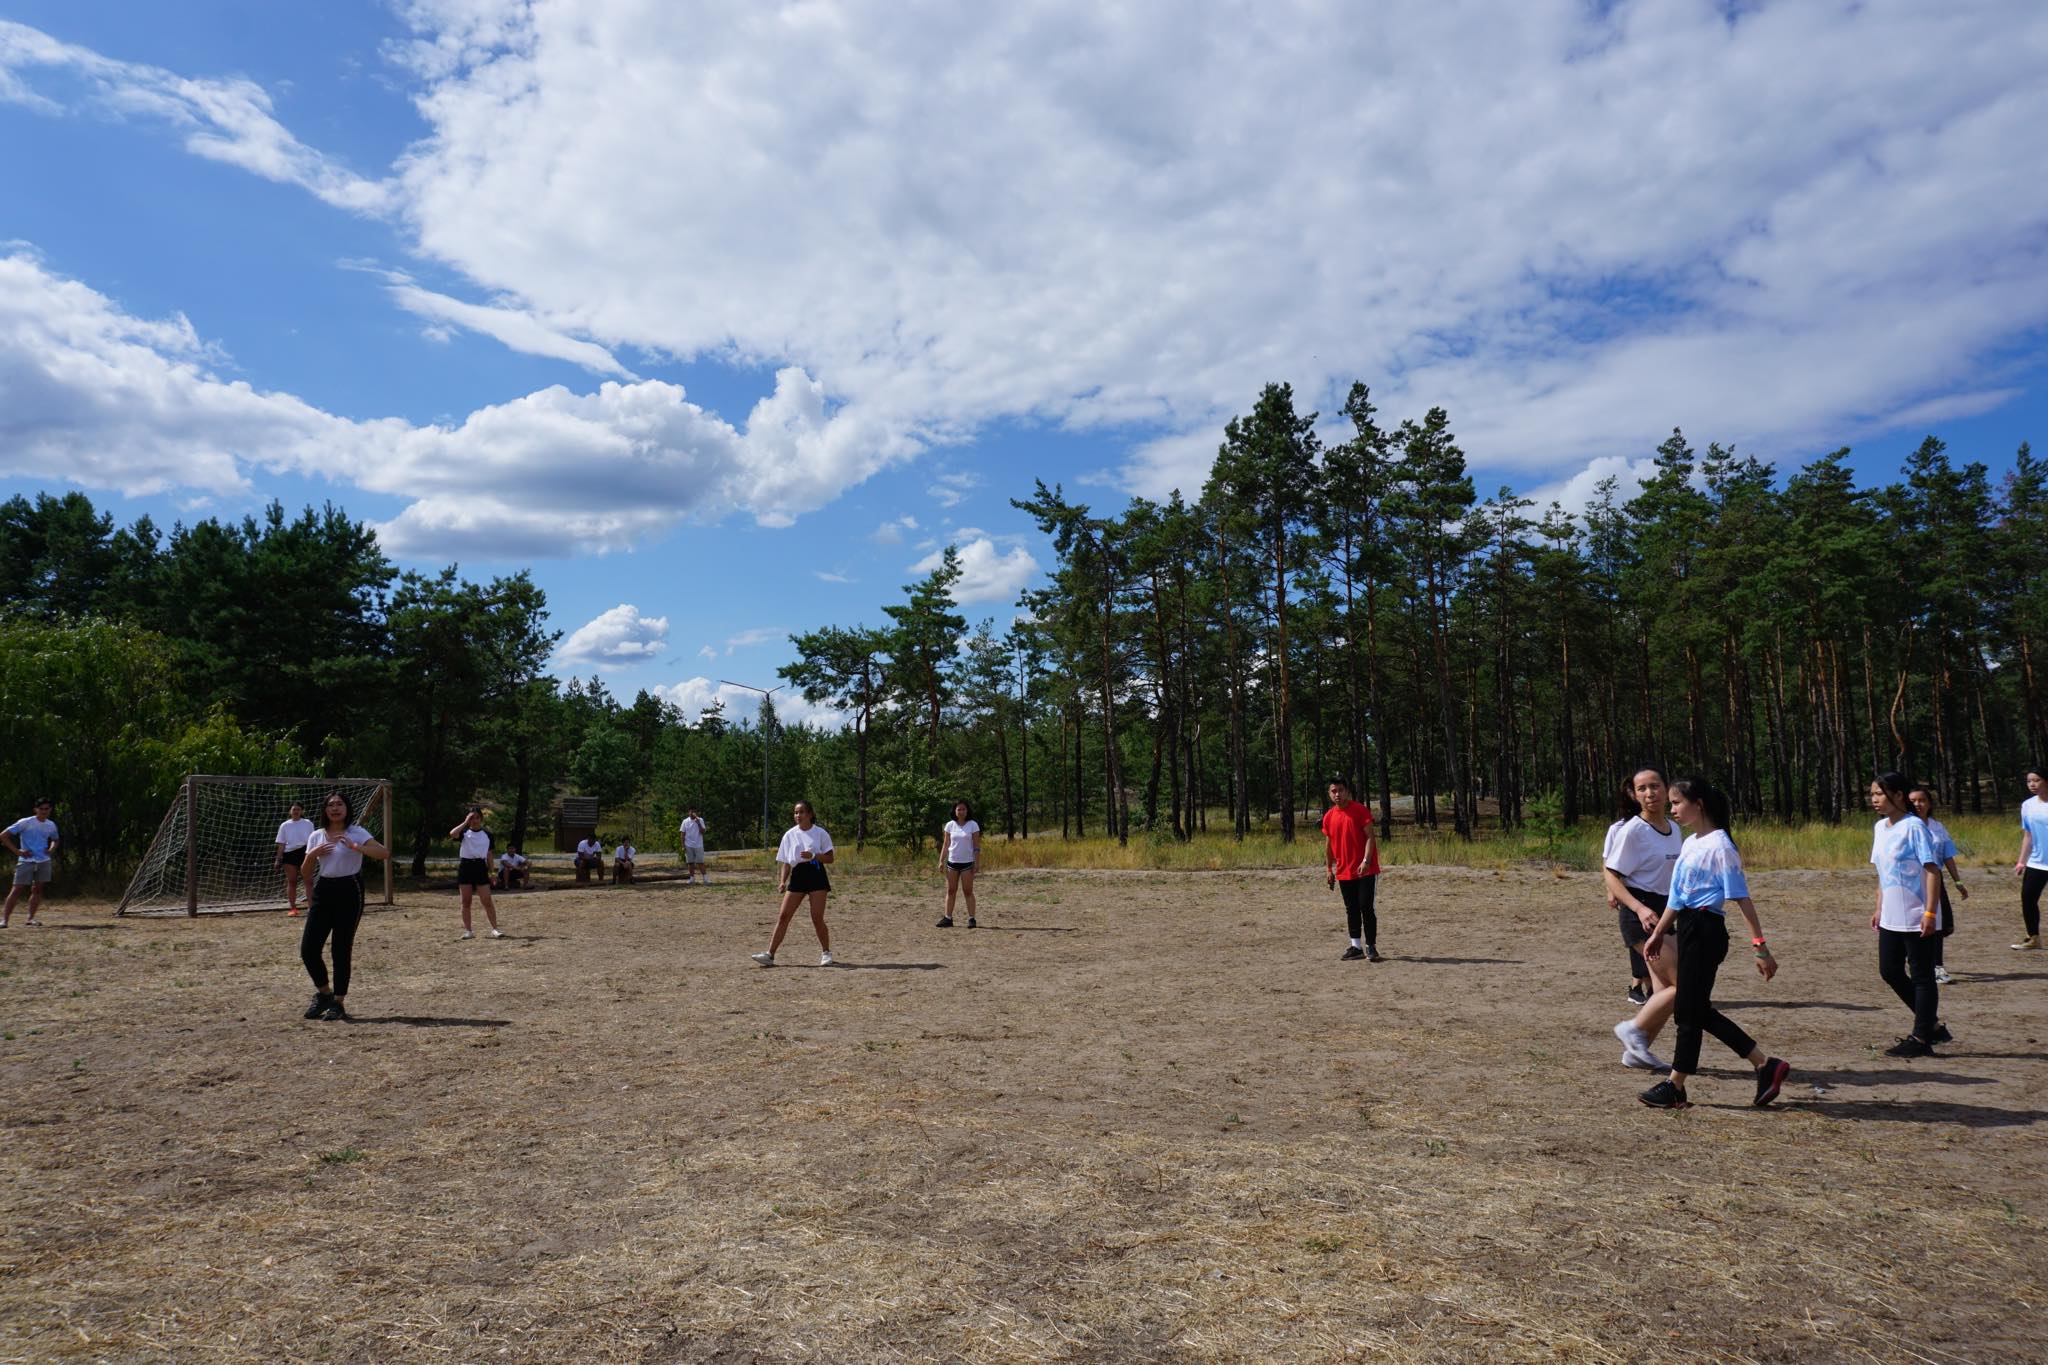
point(214, 850)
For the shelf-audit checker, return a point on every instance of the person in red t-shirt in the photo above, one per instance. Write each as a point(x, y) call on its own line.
point(1352, 863)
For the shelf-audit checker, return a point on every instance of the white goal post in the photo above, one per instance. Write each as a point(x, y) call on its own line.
point(213, 851)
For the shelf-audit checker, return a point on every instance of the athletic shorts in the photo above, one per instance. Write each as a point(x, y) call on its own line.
point(27, 873)
point(293, 857)
point(805, 878)
point(960, 867)
point(693, 853)
point(1632, 931)
point(473, 872)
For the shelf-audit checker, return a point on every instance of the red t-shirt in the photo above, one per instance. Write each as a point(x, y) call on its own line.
point(1346, 827)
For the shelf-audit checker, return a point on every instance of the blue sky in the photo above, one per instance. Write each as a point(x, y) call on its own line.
point(726, 317)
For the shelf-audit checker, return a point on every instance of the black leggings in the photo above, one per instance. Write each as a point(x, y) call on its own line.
point(1906, 962)
point(337, 909)
point(2030, 898)
point(1702, 946)
point(1359, 917)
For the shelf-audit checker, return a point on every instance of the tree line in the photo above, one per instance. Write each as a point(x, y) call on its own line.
point(1190, 663)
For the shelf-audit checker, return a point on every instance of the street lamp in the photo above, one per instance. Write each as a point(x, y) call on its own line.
point(767, 695)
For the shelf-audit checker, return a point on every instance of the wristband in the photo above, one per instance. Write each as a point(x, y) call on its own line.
point(1756, 943)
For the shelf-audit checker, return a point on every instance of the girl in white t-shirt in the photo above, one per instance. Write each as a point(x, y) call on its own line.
point(1637, 869)
point(473, 872)
point(801, 858)
point(336, 850)
point(1908, 914)
point(291, 853)
point(2032, 865)
point(959, 850)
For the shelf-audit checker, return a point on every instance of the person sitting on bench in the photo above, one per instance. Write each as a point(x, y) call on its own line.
point(513, 871)
point(622, 862)
point(589, 856)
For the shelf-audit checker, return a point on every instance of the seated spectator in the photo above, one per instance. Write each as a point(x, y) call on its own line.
point(514, 870)
point(589, 856)
point(622, 862)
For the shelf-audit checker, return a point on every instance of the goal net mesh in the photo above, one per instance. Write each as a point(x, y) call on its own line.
point(229, 844)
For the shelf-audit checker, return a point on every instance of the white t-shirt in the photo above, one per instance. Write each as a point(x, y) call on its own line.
point(35, 837)
point(960, 841)
point(1901, 851)
point(796, 839)
point(693, 832)
point(343, 862)
point(476, 843)
point(294, 833)
point(1643, 857)
point(1607, 841)
point(1708, 874)
point(590, 848)
point(511, 859)
point(2034, 820)
point(623, 851)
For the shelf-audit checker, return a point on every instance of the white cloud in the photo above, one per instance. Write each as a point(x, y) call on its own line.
point(952, 487)
point(92, 394)
point(1108, 217)
point(222, 120)
point(692, 695)
point(830, 576)
point(511, 326)
point(1099, 216)
point(706, 652)
point(615, 638)
point(891, 532)
point(755, 635)
point(987, 574)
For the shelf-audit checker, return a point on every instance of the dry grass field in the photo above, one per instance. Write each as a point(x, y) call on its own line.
point(1136, 1116)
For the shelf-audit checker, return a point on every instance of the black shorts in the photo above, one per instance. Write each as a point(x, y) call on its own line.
point(1632, 931)
point(805, 878)
point(474, 872)
point(960, 867)
point(293, 857)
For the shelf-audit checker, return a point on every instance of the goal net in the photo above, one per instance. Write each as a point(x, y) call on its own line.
point(214, 850)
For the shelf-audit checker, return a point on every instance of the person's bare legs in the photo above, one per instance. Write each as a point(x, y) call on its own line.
point(490, 907)
point(7, 909)
point(466, 889)
point(291, 887)
point(952, 888)
point(818, 921)
point(966, 880)
point(1656, 1012)
point(790, 901)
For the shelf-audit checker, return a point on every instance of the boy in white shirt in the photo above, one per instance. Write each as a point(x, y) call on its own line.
point(693, 848)
point(35, 854)
point(622, 862)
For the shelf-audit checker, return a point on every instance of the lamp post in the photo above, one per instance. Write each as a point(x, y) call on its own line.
point(767, 695)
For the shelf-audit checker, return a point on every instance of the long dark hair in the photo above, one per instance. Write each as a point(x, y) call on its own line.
point(1711, 799)
point(348, 809)
point(1895, 786)
point(958, 802)
point(1629, 805)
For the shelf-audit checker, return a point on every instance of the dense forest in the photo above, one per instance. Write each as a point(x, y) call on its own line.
point(1196, 664)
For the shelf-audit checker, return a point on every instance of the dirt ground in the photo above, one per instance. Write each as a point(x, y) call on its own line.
point(1140, 1116)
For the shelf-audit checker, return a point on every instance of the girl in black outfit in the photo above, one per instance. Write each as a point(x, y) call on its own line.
point(473, 873)
point(336, 852)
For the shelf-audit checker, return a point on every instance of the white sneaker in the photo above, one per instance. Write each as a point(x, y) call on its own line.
point(765, 959)
point(1635, 1048)
point(1940, 976)
point(497, 933)
point(466, 933)
point(824, 959)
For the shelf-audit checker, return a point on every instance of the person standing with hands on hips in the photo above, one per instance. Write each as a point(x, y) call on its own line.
point(37, 847)
point(1351, 864)
point(805, 850)
point(336, 850)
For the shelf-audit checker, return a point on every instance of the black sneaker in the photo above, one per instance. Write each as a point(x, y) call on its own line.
point(945, 922)
point(1909, 1046)
point(1942, 1035)
point(1373, 955)
point(333, 1011)
point(1665, 1095)
point(319, 1003)
point(1638, 996)
point(970, 922)
point(1770, 1078)
point(1352, 955)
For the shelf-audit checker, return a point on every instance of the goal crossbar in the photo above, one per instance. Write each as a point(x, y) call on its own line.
point(215, 849)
